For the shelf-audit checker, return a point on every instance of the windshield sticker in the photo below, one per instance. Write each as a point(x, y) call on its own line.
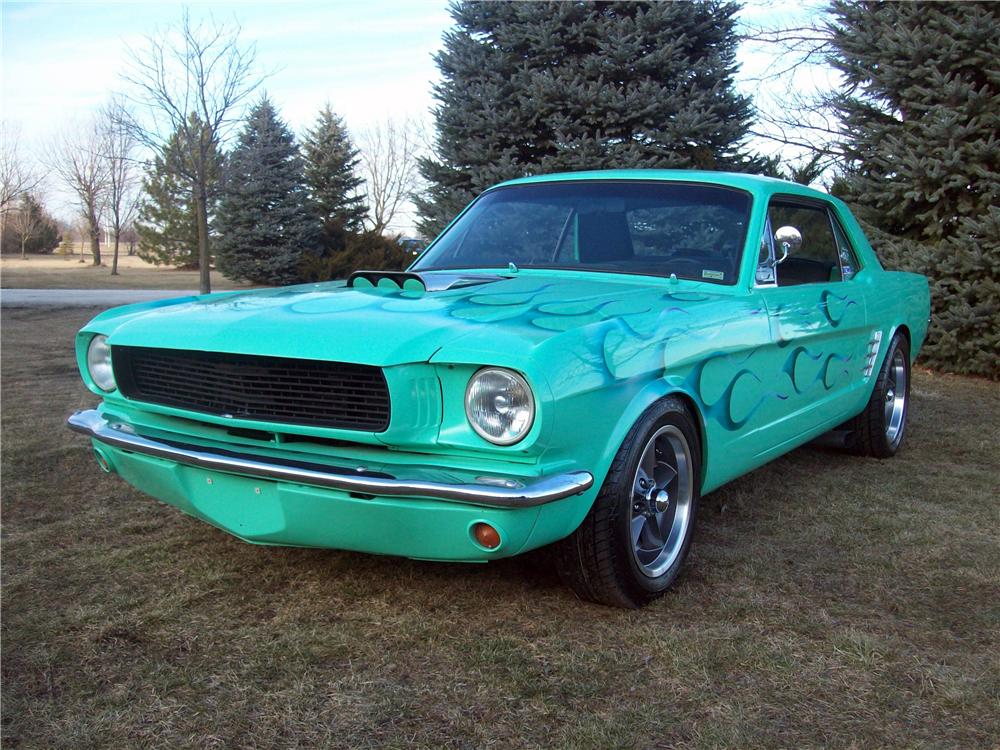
point(717, 275)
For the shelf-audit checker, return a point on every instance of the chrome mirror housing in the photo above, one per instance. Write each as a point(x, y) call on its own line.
point(789, 239)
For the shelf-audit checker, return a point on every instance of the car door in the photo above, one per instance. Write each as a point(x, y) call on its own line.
point(818, 322)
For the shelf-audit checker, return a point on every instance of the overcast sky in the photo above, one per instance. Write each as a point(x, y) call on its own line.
point(370, 59)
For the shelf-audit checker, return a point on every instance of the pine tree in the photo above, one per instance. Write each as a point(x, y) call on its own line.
point(536, 87)
point(66, 244)
point(334, 187)
point(921, 117)
point(265, 221)
point(167, 223)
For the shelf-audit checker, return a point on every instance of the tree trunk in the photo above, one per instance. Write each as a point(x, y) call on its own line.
point(201, 209)
point(114, 258)
point(95, 242)
point(23, 241)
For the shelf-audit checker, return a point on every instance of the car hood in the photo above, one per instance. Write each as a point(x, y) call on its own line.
point(387, 325)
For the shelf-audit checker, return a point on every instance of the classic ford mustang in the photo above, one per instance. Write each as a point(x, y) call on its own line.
point(575, 360)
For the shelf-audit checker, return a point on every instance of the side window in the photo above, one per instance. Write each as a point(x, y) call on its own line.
point(817, 260)
point(848, 260)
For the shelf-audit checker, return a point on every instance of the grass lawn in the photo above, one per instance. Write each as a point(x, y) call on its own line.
point(831, 602)
point(66, 272)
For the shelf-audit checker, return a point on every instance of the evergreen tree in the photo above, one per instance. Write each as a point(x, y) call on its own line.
point(921, 117)
point(536, 87)
point(167, 223)
point(66, 244)
point(330, 170)
point(265, 221)
point(369, 250)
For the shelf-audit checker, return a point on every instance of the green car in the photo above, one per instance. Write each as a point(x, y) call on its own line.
point(574, 361)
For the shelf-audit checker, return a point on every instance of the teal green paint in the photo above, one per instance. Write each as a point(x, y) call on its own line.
point(766, 369)
point(286, 514)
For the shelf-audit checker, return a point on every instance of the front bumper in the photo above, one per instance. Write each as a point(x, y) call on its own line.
point(406, 510)
point(499, 493)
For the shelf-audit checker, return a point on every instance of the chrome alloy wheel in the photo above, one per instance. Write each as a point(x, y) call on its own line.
point(895, 397)
point(662, 495)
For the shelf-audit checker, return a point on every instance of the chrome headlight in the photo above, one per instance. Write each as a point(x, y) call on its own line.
point(499, 405)
point(99, 363)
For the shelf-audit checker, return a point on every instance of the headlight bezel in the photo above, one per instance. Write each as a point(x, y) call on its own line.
point(523, 383)
point(99, 356)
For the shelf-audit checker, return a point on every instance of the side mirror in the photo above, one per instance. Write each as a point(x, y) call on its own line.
point(789, 239)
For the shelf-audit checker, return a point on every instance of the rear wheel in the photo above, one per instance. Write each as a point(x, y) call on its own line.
point(878, 431)
point(633, 543)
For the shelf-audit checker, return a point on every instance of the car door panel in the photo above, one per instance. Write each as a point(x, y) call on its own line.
point(818, 338)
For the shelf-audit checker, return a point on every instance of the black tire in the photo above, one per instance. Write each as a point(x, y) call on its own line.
point(878, 431)
point(601, 561)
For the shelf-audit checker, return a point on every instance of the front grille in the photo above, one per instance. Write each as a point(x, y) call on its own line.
point(268, 389)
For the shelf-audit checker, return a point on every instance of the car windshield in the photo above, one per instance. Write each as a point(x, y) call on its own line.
point(652, 228)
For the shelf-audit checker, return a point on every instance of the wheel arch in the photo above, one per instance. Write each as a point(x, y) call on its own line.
point(699, 423)
point(900, 328)
point(903, 329)
point(558, 520)
point(641, 403)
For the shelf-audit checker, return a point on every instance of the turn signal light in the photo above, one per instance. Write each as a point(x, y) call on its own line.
point(102, 461)
point(486, 535)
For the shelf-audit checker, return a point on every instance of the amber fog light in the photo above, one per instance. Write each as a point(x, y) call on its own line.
point(99, 363)
point(486, 535)
point(103, 461)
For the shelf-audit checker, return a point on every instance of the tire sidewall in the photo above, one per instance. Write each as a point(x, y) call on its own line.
point(670, 412)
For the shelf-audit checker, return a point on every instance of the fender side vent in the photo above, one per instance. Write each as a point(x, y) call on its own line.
point(871, 356)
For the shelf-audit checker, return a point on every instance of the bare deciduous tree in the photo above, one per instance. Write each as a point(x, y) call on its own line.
point(192, 80)
point(389, 155)
point(82, 231)
point(76, 158)
point(16, 179)
point(117, 149)
point(794, 107)
point(26, 221)
point(129, 234)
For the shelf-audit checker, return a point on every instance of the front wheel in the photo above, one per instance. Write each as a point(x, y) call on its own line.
point(635, 539)
point(878, 431)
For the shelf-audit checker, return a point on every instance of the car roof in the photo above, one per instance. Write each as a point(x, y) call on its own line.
point(756, 184)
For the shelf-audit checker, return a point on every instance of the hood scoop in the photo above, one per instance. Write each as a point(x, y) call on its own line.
point(416, 282)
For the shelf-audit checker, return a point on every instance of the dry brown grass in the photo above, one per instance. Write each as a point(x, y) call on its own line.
point(66, 272)
point(831, 602)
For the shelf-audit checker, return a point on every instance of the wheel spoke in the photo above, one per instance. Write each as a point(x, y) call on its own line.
point(665, 521)
point(665, 474)
point(648, 463)
point(638, 521)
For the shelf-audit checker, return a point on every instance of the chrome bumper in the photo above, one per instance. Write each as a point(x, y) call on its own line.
point(508, 493)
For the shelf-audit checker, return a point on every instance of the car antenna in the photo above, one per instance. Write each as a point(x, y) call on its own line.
point(673, 278)
point(511, 268)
